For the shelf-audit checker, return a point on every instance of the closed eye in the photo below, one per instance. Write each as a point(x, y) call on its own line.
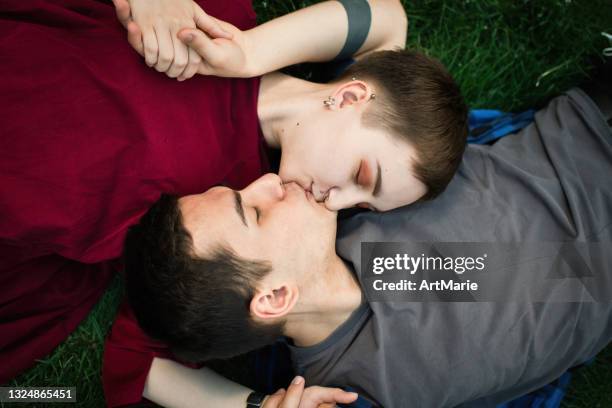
point(364, 175)
point(356, 174)
point(367, 206)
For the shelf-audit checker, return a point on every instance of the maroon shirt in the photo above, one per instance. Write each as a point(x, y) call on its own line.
point(89, 138)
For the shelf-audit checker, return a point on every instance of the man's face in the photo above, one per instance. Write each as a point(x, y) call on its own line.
point(267, 221)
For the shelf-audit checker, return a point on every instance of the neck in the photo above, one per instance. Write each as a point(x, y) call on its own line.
point(283, 102)
point(318, 316)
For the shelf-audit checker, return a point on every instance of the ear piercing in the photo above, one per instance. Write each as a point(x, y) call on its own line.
point(372, 95)
point(330, 101)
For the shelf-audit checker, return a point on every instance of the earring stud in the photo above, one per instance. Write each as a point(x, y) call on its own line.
point(330, 101)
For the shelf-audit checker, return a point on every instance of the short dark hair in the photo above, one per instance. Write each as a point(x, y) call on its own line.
point(199, 307)
point(418, 101)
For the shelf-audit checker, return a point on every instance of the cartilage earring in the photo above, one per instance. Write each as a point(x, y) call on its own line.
point(330, 101)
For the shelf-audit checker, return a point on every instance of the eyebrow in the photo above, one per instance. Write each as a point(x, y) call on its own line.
point(378, 183)
point(238, 207)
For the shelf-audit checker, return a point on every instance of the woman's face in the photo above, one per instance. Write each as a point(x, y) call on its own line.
point(346, 164)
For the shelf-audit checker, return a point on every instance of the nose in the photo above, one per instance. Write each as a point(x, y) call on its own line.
point(265, 191)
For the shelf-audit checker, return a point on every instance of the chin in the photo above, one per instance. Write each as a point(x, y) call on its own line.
point(330, 214)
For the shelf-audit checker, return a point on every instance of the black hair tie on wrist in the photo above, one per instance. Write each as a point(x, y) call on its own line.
point(359, 21)
point(255, 400)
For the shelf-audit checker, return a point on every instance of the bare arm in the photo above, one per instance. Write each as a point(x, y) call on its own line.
point(317, 33)
point(173, 385)
point(170, 384)
point(313, 34)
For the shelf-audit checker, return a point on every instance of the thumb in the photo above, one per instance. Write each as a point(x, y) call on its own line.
point(274, 400)
point(294, 392)
point(200, 43)
point(208, 24)
point(344, 397)
point(204, 46)
point(315, 396)
point(122, 9)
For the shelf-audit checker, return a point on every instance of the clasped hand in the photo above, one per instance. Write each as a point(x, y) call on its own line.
point(178, 38)
point(297, 396)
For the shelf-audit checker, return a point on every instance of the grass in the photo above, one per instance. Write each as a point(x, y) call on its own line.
point(592, 386)
point(506, 54)
point(78, 360)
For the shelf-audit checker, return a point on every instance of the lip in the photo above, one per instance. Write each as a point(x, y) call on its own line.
point(318, 200)
point(295, 188)
point(309, 195)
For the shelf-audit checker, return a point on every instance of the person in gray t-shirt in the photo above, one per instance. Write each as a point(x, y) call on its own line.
point(262, 263)
point(550, 182)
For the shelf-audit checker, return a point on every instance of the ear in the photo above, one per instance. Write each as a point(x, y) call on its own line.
point(274, 303)
point(352, 93)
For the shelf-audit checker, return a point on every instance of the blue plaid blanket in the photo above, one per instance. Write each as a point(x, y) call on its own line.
point(488, 125)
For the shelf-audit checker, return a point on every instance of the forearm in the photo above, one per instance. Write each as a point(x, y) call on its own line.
point(171, 385)
point(318, 33)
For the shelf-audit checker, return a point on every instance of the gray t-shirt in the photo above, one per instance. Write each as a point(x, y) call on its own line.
point(550, 182)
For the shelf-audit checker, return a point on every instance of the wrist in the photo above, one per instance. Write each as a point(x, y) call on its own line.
point(252, 65)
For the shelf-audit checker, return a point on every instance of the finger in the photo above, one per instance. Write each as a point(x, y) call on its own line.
point(294, 393)
point(122, 9)
point(200, 43)
point(181, 57)
point(274, 400)
point(327, 405)
point(207, 24)
point(314, 396)
point(192, 66)
point(135, 38)
point(151, 47)
point(343, 397)
point(166, 48)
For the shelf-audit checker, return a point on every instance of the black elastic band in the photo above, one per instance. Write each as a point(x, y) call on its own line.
point(359, 21)
point(255, 400)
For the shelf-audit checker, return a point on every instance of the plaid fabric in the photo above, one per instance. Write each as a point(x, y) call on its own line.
point(488, 125)
point(549, 396)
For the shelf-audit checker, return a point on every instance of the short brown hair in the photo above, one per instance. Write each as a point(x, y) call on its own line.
point(198, 306)
point(418, 101)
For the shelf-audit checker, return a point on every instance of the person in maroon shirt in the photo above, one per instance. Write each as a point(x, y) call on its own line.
point(91, 137)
